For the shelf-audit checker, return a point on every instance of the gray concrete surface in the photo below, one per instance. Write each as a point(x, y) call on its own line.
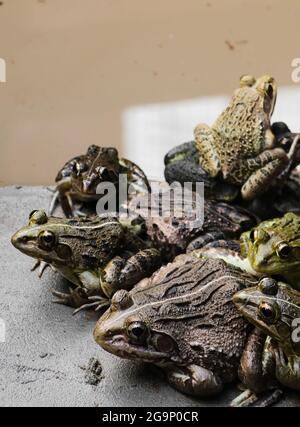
point(42, 361)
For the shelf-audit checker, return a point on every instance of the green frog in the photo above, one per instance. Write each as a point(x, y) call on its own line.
point(273, 248)
point(98, 255)
point(79, 177)
point(241, 146)
point(183, 320)
point(274, 309)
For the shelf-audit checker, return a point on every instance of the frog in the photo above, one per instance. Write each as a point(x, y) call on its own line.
point(271, 357)
point(97, 255)
point(241, 146)
point(182, 165)
point(272, 248)
point(181, 319)
point(174, 230)
point(79, 178)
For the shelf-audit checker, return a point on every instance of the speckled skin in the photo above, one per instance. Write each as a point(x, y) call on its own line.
point(241, 145)
point(191, 327)
point(173, 234)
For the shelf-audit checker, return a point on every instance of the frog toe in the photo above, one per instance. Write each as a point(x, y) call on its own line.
point(75, 298)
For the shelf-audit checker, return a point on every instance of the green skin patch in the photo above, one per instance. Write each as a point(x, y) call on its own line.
point(273, 248)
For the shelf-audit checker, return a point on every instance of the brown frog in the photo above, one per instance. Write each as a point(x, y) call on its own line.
point(98, 255)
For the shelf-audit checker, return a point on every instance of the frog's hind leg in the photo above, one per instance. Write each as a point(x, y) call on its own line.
point(266, 167)
point(205, 143)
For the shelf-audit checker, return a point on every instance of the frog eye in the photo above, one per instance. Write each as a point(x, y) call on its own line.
point(47, 240)
point(268, 312)
point(252, 235)
point(247, 80)
point(269, 90)
point(79, 167)
point(283, 250)
point(268, 286)
point(38, 217)
point(138, 331)
point(32, 213)
point(101, 170)
point(121, 300)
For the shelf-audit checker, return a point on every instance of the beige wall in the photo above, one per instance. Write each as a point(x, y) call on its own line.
point(73, 66)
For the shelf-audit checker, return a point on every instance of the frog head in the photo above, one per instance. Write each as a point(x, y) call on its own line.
point(272, 307)
point(272, 247)
point(82, 174)
point(125, 331)
point(77, 244)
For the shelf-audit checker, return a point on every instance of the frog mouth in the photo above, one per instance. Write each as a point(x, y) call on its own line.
point(119, 346)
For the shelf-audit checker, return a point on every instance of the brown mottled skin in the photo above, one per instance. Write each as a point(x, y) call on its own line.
point(183, 320)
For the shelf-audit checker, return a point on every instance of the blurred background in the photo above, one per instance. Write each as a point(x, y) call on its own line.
point(134, 74)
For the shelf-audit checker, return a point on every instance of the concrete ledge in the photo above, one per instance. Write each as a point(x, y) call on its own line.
point(46, 350)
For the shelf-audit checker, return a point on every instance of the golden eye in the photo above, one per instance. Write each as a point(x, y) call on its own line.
point(268, 312)
point(137, 331)
point(32, 213)
point(47, 240)
point(283, 250)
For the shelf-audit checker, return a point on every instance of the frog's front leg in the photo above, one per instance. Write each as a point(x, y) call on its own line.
point(266, 167)
point(194, 380)
point(205, 143)
point(124, 273)
point(287, 369)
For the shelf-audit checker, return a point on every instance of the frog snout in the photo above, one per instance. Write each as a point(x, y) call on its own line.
point(99, 334)
point(18, 238)
point(22, 241)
